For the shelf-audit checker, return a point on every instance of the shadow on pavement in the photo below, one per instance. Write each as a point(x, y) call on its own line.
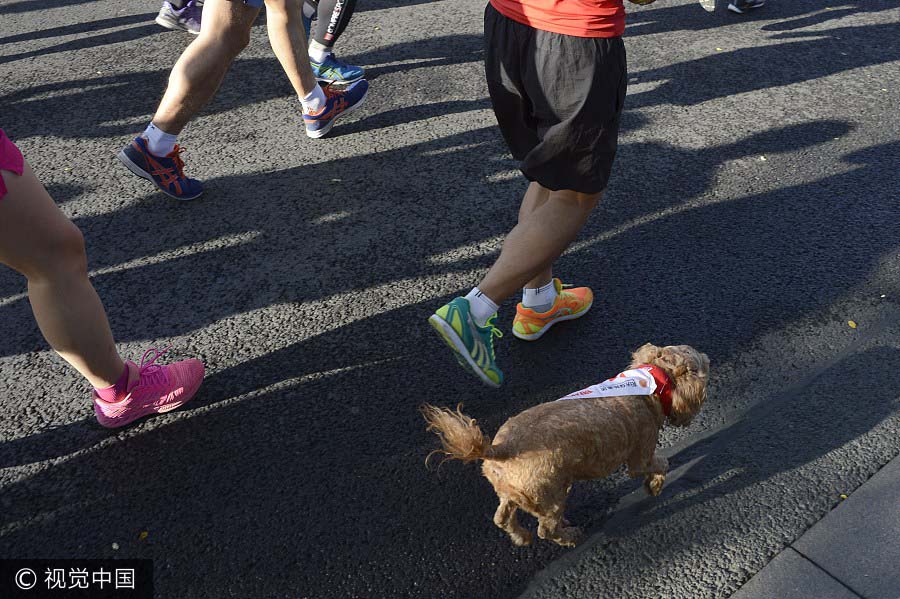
point(103, 39)
point(323, 242)
point(776, 436)
point(750, 69)
point(314, 483)
point(331, 482)
point(76, 28)
point(30, 5)
point(291, 482)
point(663, 18)
point(117, 105)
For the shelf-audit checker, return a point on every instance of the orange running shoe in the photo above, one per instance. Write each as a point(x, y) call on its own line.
point(571, 303)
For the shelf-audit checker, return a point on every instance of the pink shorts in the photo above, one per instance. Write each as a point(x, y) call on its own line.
point(10, 160)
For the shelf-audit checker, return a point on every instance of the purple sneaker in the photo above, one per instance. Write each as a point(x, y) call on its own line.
point(187, 18)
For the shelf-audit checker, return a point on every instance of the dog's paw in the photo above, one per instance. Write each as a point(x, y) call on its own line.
point(569, 536)
point(521, 539)
point(653, 484)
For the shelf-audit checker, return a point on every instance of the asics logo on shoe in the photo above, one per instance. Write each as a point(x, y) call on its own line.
point(338, 107)
point(166, 175)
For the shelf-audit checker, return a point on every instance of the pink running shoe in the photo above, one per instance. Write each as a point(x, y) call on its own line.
point(152, 389)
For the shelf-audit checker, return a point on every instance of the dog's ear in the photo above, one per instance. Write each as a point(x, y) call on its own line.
point(691, 370)
point(704, 364)
point(688, 396)
point(646, 354)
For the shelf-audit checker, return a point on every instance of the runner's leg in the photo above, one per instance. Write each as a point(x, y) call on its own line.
point(535, 197)
point(37, 240)
point(193, 81)
point(333, 18)
point(288, 41)
point(203, 64)
point(535, 243)
point(557, 99)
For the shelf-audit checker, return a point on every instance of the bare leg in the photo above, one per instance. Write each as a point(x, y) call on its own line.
point(38, 240)
point(505, 519)
point(202, 66)
point(284, 19)
point(537, 241)
point(535, 197)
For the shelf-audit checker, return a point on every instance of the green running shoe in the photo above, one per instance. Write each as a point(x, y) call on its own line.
point(472, 345)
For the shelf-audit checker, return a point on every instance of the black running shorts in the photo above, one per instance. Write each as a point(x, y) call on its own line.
point(558, 99)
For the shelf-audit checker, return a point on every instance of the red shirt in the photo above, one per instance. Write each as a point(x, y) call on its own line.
point(581, 18)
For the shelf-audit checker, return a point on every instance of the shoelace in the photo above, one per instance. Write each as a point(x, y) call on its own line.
point(337, 62)
point(330, 93)
point(149, 368)
point(179, 166)
point(495, 332)
point(572, 299)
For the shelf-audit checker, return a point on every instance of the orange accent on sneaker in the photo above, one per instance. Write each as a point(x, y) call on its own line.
point(337, 108)
point(168, 176)
point(570, 303)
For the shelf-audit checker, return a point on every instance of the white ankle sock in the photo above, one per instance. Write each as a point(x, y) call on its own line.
point(314, 101)
point(159, 142)
point(540, 299)
point(481, 307)
point(318, 52)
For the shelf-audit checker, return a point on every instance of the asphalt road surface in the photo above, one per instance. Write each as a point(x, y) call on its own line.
point(753, 211)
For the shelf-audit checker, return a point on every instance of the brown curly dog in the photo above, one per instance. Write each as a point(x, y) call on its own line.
point(537, 455)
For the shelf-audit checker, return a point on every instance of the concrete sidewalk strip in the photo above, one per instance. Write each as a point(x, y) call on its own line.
point(859, 541)
point(854, 551)
point(792, 576)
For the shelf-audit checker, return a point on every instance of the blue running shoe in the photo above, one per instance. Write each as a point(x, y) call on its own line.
point(338, 102)
point(472, 345)
point(166, 172)
point(332, 70)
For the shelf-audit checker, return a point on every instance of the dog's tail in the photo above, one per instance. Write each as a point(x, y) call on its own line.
point(460, 435)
